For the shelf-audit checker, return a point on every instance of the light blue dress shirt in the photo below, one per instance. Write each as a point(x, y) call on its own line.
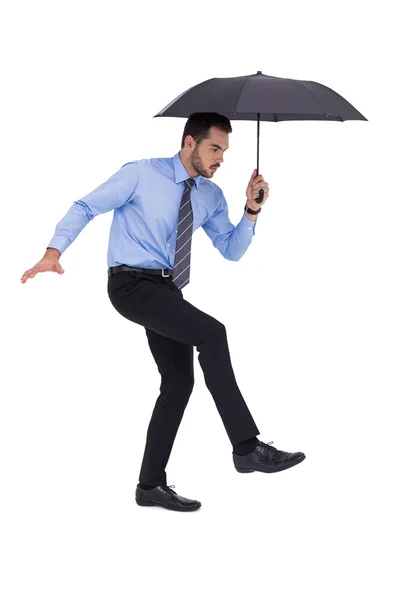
point(146, 197)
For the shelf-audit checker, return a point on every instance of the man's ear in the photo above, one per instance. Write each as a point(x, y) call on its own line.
point(192, 143)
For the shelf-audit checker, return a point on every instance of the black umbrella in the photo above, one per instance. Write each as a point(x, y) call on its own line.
point(263, 98)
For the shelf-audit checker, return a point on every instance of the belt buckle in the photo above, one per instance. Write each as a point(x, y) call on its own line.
point(162, 273)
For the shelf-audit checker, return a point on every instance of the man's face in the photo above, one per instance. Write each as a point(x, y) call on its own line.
point(209, 153)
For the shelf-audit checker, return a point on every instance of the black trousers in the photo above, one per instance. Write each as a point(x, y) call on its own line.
point(173, 327)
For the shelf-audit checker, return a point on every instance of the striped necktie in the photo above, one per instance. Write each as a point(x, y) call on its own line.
point(180, 274)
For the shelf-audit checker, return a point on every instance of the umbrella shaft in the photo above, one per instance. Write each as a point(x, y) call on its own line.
point(258, 140)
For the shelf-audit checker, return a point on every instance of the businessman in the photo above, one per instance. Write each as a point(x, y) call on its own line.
point(158, 203)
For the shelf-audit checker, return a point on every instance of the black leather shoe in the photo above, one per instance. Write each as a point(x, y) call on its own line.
point(267, 459)
point(164, 496)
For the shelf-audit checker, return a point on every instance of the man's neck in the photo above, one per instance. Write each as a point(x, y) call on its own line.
point(187, 165)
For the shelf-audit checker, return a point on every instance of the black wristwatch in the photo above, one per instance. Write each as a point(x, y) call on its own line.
point(251, 211)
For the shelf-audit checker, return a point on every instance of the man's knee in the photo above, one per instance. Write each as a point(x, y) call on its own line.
point(219, 329)
point(186, 381)
point(216, 331)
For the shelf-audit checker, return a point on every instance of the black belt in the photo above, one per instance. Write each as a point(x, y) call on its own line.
point(163, 272)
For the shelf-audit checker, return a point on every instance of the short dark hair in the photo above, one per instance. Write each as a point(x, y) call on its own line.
point(198, 125)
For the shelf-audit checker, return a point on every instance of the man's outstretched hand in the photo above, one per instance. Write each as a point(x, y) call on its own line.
point(49, 262)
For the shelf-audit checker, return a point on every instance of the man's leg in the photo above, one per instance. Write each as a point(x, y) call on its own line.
point(158, 305)
point(175, 365)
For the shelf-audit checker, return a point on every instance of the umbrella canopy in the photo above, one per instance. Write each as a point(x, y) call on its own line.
point(262, 97)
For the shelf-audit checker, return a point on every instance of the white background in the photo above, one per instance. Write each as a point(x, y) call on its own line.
point(311, 310)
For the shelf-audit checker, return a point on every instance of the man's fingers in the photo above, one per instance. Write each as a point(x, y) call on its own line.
point(258, 184)
point(261, 187)
point(256, 194)
point(28, 274)
point(41, 268)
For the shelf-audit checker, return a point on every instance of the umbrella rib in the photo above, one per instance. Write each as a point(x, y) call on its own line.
point(320, 105)
point(245, 81)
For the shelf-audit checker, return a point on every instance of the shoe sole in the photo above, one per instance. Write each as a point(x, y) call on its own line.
point(271, 469)
point(152, 503)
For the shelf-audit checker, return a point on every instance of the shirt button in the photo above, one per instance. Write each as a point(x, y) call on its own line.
point(167, 244)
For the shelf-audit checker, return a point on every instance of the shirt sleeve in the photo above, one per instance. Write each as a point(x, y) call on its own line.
point(231, 241)
point(111, 194)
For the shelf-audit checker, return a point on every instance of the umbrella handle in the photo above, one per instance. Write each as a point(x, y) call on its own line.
point(261, 192)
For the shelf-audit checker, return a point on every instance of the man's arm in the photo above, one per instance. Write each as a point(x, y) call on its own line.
point(111, 194)
point(231, 241)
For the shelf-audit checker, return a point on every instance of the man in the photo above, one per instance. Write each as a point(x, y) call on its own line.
point(158, 203)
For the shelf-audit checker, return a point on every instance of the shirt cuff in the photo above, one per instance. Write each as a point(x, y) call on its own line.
point(246, 225)
point(59, 242)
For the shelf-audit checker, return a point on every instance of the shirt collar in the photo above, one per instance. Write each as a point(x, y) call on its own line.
point(180, 172)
